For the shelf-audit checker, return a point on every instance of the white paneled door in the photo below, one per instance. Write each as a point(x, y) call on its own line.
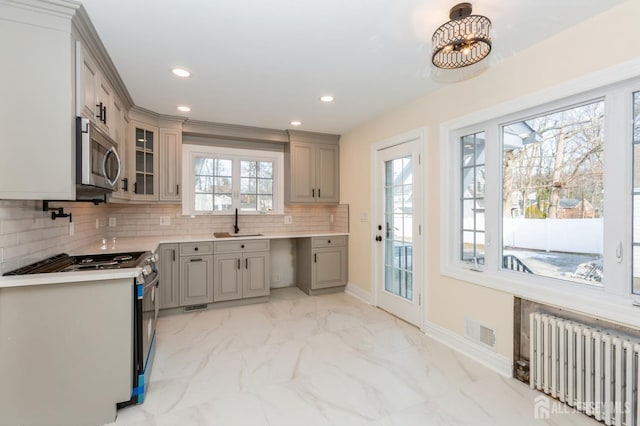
point(397, 224)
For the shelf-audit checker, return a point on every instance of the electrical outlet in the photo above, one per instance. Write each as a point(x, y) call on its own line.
point(97, 223)
point(165, 220)
point(330, 218)
point(288, 220)
point(112, 222)
point(364, 217)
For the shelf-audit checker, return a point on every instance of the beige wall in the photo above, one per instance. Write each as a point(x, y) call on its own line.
point(576, 52)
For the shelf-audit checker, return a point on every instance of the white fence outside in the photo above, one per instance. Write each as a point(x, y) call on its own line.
point(564, 235)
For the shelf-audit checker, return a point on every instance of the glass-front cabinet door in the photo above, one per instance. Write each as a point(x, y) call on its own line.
point(145, 185)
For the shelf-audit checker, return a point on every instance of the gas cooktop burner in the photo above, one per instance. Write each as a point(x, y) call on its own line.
point(65, 263)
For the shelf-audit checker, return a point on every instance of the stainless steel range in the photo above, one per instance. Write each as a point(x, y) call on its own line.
point(146, 302)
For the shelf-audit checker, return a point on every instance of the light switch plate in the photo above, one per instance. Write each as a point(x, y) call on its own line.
point(288, 220)
point(165, 220)
point(112, 222)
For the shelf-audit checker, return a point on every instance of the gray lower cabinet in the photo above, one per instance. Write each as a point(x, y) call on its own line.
point(196, 273)
point(322, 263)
point(241, 269)
point(169, 270)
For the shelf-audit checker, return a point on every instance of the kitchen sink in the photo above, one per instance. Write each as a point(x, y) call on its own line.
point(228, 235)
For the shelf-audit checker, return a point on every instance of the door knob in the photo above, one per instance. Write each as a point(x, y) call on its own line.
point(378, 238)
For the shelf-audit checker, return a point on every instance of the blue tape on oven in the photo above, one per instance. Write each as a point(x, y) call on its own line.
point(140, 391)
point(139, 291)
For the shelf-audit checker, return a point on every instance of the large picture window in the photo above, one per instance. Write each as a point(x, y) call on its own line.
point(553, 194)
point(545, 202)
point(219, 180)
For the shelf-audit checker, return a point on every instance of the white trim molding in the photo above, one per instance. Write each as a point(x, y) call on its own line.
point(485, 356)
point(359, 293)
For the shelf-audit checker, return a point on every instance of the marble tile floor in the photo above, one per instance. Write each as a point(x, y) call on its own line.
point(321, 360)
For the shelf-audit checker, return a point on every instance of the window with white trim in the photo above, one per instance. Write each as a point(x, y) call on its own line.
point(219, 180)
point(472, 179)
point(636, 193)
point(530, 195)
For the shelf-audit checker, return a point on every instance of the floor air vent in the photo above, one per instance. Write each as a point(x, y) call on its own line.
point(480, 333)
point(195, 307)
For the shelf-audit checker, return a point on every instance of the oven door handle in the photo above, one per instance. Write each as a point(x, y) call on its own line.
point(111, 151)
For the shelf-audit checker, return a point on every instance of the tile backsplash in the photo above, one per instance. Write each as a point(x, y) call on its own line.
point(144, 220)
point(28, 234)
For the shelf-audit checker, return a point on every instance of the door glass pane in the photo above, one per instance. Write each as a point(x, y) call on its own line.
point(398, 231)
point(636, 194)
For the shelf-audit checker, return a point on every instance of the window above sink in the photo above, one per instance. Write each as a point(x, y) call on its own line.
point(218, 180)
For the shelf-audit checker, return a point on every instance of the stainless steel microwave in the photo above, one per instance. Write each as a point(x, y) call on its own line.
point(98, 165)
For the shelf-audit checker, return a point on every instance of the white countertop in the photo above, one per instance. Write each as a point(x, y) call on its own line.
point(151, 243)
point(129, 244)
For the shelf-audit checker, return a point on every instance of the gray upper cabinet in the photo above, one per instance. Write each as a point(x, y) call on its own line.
point(120, 126)
point(170, 157)
point(54, 82)
point(86, 84)
point(37, 125)
point(168, 267)
point(241, 269)
point(312, 168)
point(144, 169)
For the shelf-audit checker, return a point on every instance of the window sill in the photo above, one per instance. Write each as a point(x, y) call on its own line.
point(592, 301)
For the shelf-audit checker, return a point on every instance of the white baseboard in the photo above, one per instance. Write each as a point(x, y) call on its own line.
point(485, 356)
point(359, 293)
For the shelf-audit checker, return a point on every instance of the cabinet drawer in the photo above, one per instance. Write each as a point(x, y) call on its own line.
point(189, 249)
point(329, 241)
point(240, 246)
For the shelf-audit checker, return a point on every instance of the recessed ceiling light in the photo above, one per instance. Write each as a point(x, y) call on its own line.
point(326, 98)
point(180, 72)
point(296, 123)
point(184, 108)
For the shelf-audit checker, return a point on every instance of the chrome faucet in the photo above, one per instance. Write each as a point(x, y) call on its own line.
point(235, 225)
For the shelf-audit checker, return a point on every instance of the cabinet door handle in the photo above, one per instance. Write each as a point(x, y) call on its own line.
point(195, 260)
point(246, 264)
point(328, 241)
point(99, 107)
point(104, 114)
point(318, 192)
point(177, 189)
point(315, 258)
point(313, 193)
point(125, 184)
point(195, 248)
point(174, 254)
point(238, 263)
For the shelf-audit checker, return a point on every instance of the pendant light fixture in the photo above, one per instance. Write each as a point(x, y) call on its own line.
point(462, 41)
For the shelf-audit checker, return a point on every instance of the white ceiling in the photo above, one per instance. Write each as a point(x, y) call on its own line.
point(266, 62)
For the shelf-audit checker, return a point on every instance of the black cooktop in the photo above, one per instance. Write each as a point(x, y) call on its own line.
point(64, 263)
